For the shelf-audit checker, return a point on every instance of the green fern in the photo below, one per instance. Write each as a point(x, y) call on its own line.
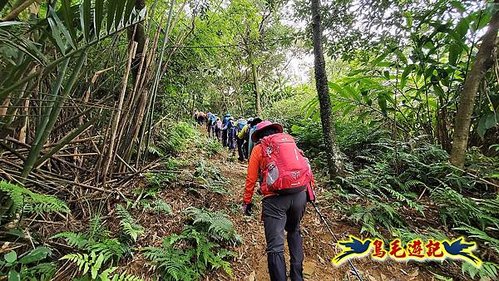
point(458, 208)
point(217, 224)
point(154, 150)
point(187, 256)
point(75, 240)
point(175, 137)
point(488, 270)
point(23, 199)
point(473, 232)
point(158, 206)
point(91, 265)
point(111, 249)
point(172, 262)
point(128, 224)
point(97, 229)
point(107, 275)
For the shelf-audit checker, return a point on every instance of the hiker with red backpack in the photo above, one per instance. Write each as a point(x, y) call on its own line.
point(286, 185)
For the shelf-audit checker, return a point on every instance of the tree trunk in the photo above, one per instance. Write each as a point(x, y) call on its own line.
point(334, 158)
point(254, 73)
point(482, 63)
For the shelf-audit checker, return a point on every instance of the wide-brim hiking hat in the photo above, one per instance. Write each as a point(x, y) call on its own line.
point(265, 125)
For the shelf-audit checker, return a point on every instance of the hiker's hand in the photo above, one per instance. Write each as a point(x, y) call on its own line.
point(246, 208)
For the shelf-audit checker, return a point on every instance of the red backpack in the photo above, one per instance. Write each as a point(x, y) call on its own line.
point(285, 170)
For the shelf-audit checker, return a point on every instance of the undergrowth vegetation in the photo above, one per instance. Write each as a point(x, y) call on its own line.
point(201, 246)
point(390, 180)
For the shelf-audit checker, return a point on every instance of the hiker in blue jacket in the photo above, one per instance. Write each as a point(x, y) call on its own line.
point(225, 120)
point(241, 124)
point(231, 134)
point(212, 123)
point(208, 117)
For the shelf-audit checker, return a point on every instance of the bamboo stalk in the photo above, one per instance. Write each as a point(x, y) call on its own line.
point(69, 137)
point(42, 133)
point(152, 99)
point(16, 11)
point(115, 122)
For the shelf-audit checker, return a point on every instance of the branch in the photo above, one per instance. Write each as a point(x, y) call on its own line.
point(16, 11)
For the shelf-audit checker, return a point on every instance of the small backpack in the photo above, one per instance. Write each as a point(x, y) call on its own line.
point(241, 124)
point(286, 169)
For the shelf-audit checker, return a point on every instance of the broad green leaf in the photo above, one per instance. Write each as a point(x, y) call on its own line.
point(98, 16)
point(491, 120)
point(56, 31)
point(10, 257)
point(61, 27)
point(86, 19)
point(386, 73)
point(381, 57)
point(120, 8)
point(338, 89)
point(409, 19)
point(458, 5)
point(14, 275)
point(462, 28)
point(37, 254)
point(481, 20)
point(486, 122)
point(353, 93)
point(111, 10)
point(97, 265)
point(69, 18)
point(382, 103)
point(130, 4)
point(454, 52)
point(407, 70)
point(401, 56)
point(438, 90)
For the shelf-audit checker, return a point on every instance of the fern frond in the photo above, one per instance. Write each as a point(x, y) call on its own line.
point(161, 207)
point(76, 240)
point(216, 223)
point(474, 232)
point(130, 227)
point(31, 202)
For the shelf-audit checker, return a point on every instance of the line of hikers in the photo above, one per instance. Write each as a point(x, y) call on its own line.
point(283, 176)
point(232, 133)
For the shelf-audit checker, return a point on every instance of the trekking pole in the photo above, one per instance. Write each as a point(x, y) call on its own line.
point(354, 269)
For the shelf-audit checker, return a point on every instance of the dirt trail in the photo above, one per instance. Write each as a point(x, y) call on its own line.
point(251, 263)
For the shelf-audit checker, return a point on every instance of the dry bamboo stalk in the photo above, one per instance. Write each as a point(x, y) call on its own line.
point(99, 167)
point(4, 107)
point(24, 128)
point(144, 97)
point(130, 124)
point(116, 120)
point(16, 11)
point(134, 122)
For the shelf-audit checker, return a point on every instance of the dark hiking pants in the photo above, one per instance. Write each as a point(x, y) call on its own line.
point(224, 138)
point(240, 143)
point(284, 212)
